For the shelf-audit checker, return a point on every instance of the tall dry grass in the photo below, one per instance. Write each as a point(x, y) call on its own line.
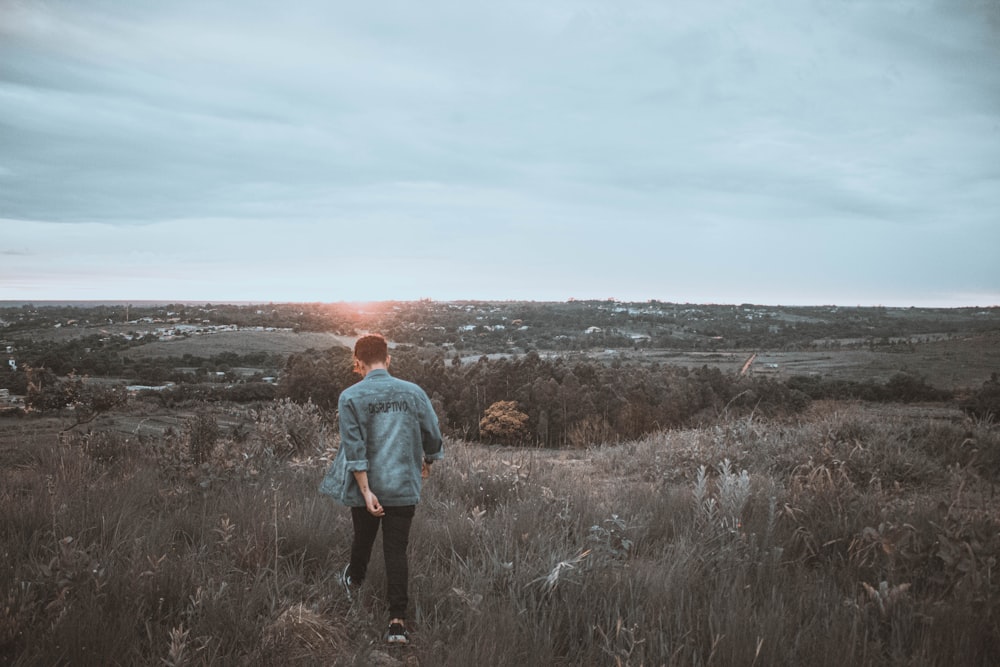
point(842, 538)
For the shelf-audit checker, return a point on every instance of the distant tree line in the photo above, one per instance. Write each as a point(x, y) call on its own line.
point(901, 387)
point(528, 400)
point(560, 402)
point(565, 403)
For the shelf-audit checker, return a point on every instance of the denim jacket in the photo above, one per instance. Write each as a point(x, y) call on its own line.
point(387, 427)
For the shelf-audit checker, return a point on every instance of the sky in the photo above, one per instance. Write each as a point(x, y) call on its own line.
point(783, 152)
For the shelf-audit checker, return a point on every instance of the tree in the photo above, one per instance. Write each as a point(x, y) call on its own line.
point(47, 393)
point(317, 376)
point(14, 381)
point(91, 401)
point(504, 423)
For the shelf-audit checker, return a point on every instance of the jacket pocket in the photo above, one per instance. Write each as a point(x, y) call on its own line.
point(334, 481)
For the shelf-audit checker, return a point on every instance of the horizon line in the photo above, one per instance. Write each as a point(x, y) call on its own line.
point(17, 303)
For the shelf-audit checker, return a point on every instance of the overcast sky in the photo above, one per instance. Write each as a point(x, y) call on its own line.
point(766, 151)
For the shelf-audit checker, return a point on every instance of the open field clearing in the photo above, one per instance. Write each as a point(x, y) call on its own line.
point(242, 342)
point(959, 363)
point(851, 534)
point(205, 344)
point(954, 364)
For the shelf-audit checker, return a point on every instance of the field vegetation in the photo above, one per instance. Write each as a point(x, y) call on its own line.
point(834, 536)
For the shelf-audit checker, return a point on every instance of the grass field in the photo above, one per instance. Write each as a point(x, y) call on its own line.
point(242, 342)
point(849, 535)
point(959, 363)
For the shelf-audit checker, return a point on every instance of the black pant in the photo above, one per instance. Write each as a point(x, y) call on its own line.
point(395, 538)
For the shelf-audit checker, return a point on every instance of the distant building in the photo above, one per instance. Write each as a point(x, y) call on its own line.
point(135, 388)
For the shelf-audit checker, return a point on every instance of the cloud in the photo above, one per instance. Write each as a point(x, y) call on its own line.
point(653, 141)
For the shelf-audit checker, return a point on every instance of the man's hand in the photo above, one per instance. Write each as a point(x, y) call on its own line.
point(425, 470)
point(371, 500)
point(373, 505)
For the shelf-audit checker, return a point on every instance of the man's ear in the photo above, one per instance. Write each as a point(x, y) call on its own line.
point(388, 358)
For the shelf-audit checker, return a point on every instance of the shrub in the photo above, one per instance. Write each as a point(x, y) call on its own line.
point(106, 447)
point(285, 428)
point(503, 422)
point(908, 388)
point(985, 402)
point(722, 507)
point(203, 432)
point(591, 430)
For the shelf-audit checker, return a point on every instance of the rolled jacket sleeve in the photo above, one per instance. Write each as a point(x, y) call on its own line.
point(352, 439)
point(430, 433)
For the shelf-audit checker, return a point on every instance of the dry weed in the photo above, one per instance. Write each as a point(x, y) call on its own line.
point(302, 635)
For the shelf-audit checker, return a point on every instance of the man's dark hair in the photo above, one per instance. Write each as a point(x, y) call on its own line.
point(371, 349)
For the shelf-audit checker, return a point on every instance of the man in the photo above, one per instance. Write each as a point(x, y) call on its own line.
point(389, 436)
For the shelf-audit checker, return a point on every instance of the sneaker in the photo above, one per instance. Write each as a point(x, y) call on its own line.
point(350, 586)
point(397, 634)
